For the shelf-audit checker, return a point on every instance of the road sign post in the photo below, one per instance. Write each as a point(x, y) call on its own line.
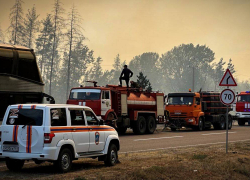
point(227, 96)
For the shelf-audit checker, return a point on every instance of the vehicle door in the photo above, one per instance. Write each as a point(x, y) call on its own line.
point(96, 132)
point(23, 130)
point(106, 102)
point(80, 131)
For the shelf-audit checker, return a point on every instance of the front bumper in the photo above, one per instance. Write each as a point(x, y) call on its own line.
point(180, 122)
point(243, 115)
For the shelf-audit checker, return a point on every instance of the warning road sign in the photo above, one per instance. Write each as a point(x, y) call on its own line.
point(228, 79)
point(227, 96)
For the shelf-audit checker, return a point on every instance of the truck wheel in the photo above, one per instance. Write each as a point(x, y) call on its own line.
point(14, 164)
point(64, 161)
point(222, 123)
point(121, 130)
point(201, 124)
point(230, 122)
point(241, 122)
point(151, 125)
point(140, 126)
point(173, 129)
point(112, 156)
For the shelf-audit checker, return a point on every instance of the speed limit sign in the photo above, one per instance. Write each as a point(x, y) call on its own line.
point(227, 96)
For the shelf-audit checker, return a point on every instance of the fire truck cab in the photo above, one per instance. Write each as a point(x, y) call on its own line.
point(243, 108)
point(122, 107)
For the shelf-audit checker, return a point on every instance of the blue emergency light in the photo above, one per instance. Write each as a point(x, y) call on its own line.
point(247, 91)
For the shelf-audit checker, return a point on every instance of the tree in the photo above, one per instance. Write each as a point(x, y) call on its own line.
point(218, 72)
point(230, 66)
point(31, 25)
point(116, 71)
point(1, 36)
point(144, 82)
point(58, 24)
point(16, 23)
point(147, 64)
point(176, 67)
point(44, 45)
point(73, 34)
point(96, 73)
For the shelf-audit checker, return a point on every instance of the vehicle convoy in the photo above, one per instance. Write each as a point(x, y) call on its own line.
point(20, 78)
point(243, 108)
point(197, 110)
point(122, 107)
point(57, 133)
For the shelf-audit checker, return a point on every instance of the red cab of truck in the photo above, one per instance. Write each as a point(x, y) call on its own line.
point(243, 108)
point(122, 107)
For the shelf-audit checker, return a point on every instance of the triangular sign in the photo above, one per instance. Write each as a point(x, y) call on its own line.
point(228, 79)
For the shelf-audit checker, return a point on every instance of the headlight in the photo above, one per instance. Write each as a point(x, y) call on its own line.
point(237, 114)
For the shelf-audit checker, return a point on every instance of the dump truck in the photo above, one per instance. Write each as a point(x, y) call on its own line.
point(122, 107)
point(196, 110)
point(243, 108)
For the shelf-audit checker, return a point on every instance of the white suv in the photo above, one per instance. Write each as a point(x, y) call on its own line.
point(55, 132)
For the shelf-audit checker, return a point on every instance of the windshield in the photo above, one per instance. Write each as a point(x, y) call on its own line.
point(85, 94)
point(179, 100)
point(33, 117)
point(243, 98)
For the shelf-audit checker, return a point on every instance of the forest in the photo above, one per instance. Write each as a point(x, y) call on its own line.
point(65, 61)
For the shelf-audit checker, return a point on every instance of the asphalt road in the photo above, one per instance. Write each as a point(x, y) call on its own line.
point(180, 139)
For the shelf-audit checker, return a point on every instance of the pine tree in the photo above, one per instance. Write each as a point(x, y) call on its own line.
point(218, 72)
point(16, 23)
point(230, 66)
point(96, 71)
point(31, 25)
point(57, 27)
point(143, 82)
point(44, 46)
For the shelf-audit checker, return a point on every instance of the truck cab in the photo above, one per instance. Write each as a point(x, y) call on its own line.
point(243, 108)
point(184, 109)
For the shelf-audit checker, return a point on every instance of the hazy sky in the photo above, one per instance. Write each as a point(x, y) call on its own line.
point(131, 27)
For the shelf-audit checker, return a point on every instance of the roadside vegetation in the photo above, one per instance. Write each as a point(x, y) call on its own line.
point(203, 162)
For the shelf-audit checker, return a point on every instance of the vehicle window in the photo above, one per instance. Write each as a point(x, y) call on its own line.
point(6, 61)
point(27, 66)
point(91, 119)
point(77, 117)
point(33, 117)
point(179, 100)
point(197, 101)
point(58, 117)
point(105, 94)
point(243, 98)
point(85, 94)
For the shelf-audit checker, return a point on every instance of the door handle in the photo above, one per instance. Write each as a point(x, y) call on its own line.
point(103, 102)
point(90, 129)
point(74, 129)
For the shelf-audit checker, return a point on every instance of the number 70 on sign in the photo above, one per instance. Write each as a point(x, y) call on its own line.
point(227, 96)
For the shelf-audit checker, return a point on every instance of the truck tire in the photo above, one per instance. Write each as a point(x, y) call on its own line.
point(112, 156)
point(222, 123)
point(241, 122)
point(14, 164)
point(173, 129)
point(230, 122)
point(121, 130)
point(200, 124)
point(64, 161)
point(140, 125)
point(151, 125)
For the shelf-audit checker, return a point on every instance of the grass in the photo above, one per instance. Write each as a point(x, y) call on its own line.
point(204, 162)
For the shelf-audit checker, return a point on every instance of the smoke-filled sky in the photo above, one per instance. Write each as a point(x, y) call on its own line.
point(132, 27)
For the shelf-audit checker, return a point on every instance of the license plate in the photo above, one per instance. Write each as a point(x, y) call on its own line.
point(11, 148)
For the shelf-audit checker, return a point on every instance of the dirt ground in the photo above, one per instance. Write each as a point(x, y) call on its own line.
point(203, 162)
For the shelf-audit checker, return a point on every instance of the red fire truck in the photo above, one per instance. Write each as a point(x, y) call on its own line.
point(243, 108)
point(122, 107)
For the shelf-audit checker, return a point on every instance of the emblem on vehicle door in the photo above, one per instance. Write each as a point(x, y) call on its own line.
point(97, 137)
point(107, 103)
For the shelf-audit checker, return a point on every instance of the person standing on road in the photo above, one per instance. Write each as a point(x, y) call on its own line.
point(125, 75)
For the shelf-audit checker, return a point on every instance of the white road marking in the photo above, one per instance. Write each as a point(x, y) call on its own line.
point(158, 138)
point(146, 150)
point(217, 133)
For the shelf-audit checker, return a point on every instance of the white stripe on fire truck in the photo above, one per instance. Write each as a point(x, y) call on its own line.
point(141, 102)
